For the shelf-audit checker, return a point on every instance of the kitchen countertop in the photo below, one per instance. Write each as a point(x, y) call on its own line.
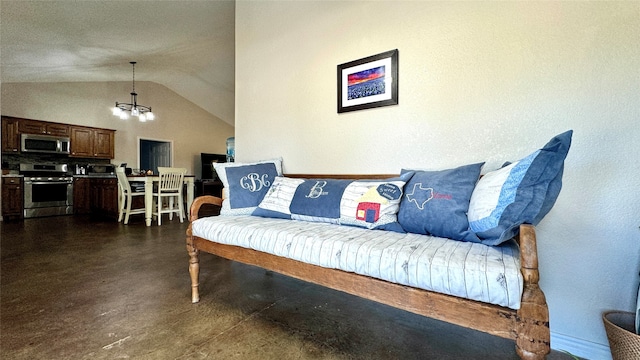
point(104, 176)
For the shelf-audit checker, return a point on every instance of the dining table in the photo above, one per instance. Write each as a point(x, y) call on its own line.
point(149, 180)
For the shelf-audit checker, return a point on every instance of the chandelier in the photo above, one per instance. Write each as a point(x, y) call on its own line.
point(122, 110)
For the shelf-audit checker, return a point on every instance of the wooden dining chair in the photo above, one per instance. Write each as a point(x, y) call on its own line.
point(125, 197)
point(170, 189)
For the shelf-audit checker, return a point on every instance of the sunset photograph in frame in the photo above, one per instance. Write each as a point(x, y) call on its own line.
point(368, 82)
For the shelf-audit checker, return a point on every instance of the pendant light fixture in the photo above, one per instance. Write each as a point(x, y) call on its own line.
point(123, 110)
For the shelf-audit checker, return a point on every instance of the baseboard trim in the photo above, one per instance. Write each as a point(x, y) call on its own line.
point(579, 347)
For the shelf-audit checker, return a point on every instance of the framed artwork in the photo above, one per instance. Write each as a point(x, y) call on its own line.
point(369, 82)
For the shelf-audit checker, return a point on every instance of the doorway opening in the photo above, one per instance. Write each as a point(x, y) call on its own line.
point(153, 153)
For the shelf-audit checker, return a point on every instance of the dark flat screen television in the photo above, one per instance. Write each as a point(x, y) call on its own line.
point(208, 173)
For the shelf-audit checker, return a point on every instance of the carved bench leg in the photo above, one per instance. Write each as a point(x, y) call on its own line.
point(534, 338)
point(194, 271)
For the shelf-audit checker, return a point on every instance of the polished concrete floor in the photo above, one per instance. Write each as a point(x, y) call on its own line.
point(80, 288)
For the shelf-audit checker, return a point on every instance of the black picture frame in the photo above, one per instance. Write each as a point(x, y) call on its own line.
point(369, 82)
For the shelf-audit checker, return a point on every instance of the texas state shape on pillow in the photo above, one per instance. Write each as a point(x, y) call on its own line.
point(436, 202)
point(245, 184)
point(520, 193)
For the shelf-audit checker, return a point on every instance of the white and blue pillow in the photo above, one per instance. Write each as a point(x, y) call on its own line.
point(519, 193)
point(245, 184)
point(436, 202)
point(371, 204)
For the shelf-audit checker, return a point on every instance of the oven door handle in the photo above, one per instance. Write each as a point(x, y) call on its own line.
point(48, 182)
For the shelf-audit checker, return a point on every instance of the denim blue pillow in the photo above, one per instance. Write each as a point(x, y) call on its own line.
point(245, 184)
point(372, 204)
point(436, 202)
point(519, 193)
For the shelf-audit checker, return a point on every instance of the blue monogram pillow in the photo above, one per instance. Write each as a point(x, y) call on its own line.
point(436, 202)
point(372, 204)
point(245, 184)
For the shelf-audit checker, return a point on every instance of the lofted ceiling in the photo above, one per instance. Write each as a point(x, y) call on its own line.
point(186, 45)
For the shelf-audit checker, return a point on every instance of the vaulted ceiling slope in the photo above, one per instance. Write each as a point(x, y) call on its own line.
point(187, 46)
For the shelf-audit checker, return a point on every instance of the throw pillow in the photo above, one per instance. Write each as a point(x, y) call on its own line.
point(436, 202)
point(277, 200)
point(371, 204)
point(519, 193)
point(245, 184)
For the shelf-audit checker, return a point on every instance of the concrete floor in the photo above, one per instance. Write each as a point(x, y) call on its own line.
point(79, 288)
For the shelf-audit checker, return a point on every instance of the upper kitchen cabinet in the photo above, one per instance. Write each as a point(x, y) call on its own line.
point(10, 135)
point(86, 142)
point(26, 126)
point(89, 142)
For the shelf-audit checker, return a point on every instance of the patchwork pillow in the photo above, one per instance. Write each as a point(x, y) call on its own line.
point(371, 204)
point(277, 201)
point(245, 184)
point(436, 202)
point(519, 193)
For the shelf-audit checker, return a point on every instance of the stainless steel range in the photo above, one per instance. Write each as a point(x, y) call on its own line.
point(48, 190)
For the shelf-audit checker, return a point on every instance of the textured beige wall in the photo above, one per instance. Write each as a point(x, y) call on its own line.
point(191, 129)
point(479, 81)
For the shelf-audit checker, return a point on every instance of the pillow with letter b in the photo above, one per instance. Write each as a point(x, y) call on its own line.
point(371, 204)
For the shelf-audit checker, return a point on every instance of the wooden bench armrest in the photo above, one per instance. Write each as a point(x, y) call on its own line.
point(528, 249)
point(533, 339)
point(202, 200)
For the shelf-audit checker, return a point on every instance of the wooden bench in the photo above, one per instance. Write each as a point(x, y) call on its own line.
point(528, 326)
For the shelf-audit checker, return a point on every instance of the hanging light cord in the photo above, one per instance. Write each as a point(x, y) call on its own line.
point(133, 64)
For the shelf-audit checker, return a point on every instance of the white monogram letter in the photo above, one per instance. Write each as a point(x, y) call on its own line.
point(316, 190)
point(253, 182)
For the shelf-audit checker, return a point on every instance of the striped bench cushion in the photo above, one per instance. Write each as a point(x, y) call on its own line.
point(490, 274)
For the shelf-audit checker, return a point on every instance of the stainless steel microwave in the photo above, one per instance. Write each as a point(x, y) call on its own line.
point(44, 144)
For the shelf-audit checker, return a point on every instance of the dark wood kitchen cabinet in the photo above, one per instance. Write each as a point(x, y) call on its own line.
point(10, 135)
point(12, 197)
point(27, 126)
point(81, 142)
point(103, 145)
point(95, 196)
point(104, 197)
point(86, 142)
point(81, 196)
point(92, 142)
